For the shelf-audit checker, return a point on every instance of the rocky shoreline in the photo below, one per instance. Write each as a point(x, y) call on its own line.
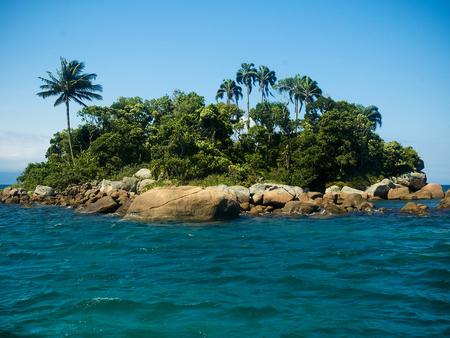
point(130, 198)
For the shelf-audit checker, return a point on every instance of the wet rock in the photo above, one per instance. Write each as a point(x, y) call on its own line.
point(332, 209)
point(104, 205)
point(303, 208)
point(352, 200)
point(444, 203)
point(123, 208)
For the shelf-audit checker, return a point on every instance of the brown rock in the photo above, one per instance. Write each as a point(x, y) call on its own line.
point(104, 205)
point(277, 197)
point(123, 208)
point(435, 190)
point(410, 197)
point(330, 197)
point(258, 210)
point(423, 194)
point(366, 206)
point(376, 198)
point(410, 207)
point(12, 200)
point(258, 199)
point(444, 203)
point(398, 193)
point(314, 194)
point(245, 206)
point(447, 193)
point(184, 203)
point(352, 200)
point(332, 209)
point(113, 193)
point(304, 197)
point(300, 207)
point(6, 191)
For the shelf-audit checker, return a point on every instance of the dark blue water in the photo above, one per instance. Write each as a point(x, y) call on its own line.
point(69, 275)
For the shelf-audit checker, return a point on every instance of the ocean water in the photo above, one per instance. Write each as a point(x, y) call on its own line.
point(69, 275)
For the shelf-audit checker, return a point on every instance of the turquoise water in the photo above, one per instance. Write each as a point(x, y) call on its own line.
point(69, 275)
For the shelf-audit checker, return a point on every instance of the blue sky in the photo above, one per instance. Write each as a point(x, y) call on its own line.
point(392, 54)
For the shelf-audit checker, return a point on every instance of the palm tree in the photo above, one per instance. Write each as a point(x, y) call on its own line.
point(309, 90)
point(265, 77)
point(231, 90)
point(293, 87)
point(247, 75)
point(70, 84)
point(372, 114)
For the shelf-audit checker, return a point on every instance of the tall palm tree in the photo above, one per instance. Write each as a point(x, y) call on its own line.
point(247, 75)
point(293, 87)
point(309, 90)
point(70, 84)
point(231, 90)
point(372, 114)
point(265, 77)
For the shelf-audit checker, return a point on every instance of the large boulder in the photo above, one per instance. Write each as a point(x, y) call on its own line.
point(447, 193)
point(380, 189)
point(349, 190)
point(277, 197)
point(435, 190)
point(143, 174)
point(352, 200)
point(42, 190)
point(192, 204)
point(414, 208)
point(422, 194)
point(398, 193)
point(104, 205)
point(414, 181)
point(444, 203)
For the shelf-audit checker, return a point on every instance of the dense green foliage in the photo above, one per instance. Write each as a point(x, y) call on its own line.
point(179, 138)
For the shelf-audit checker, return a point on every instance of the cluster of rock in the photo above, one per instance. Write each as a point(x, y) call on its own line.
point(90, 197)
point(407, 187)
point(129, 198)
point(275, 198)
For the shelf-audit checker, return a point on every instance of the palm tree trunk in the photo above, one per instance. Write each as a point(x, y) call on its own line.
point(248, 111)
point(296, 115)
point(262, 93)
point(68, 129)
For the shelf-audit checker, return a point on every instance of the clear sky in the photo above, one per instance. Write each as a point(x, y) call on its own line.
point(393, 54)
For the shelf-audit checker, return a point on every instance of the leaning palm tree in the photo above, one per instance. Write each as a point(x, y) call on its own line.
point(231, 90)
point(70, 84)
point(265, 77)
point(372, 114)
point(247, 75)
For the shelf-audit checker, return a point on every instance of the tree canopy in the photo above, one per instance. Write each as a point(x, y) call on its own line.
point(180, 138)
